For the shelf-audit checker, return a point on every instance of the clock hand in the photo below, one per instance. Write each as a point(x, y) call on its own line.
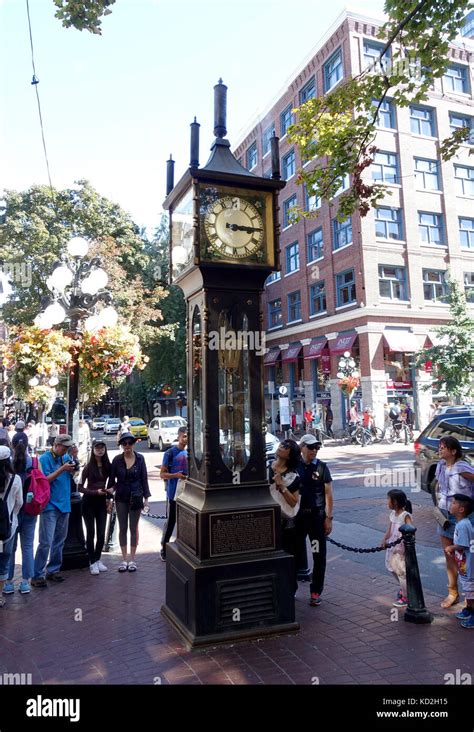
point(247, 229)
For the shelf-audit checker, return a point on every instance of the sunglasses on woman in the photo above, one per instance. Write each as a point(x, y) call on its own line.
point(127, 443)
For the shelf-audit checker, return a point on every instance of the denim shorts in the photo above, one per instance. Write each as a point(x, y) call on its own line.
point(449, 531)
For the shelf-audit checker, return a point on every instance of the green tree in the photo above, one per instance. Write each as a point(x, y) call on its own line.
point(83, 14)
point(453, 358)
point(38, 224)
point(338, 128)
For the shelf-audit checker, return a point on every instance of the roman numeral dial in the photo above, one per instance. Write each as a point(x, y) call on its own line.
point(234, 227)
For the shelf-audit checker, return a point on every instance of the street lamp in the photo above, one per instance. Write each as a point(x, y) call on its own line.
point(347, 368)
point(77, 286)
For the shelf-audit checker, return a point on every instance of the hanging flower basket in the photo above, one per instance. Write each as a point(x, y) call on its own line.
point(348, 385)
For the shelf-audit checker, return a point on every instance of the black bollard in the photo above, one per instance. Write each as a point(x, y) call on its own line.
point(74, 552)
point(303, 572)
point(416, 611)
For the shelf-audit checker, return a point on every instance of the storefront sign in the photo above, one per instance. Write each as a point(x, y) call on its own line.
point(326, 361)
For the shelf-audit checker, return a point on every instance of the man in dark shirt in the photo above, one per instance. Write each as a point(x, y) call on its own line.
point(315, 516)
point(20, 435)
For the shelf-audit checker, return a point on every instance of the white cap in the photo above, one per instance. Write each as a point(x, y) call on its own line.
point(20, 425)
point(5, 452)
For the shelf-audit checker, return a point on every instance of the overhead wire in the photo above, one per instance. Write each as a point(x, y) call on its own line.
point(35, 82)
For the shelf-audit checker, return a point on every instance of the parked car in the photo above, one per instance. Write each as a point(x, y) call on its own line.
point(99, 422)
point(111, 426)
point(458, 423)
point(138, 427)
point(271, 442)
point(163, 431)
point(87, 419)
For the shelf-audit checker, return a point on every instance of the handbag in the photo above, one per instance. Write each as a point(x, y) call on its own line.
point(287, 510)
point(440, 518)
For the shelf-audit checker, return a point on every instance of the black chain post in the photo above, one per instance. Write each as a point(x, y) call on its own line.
point(416, 611)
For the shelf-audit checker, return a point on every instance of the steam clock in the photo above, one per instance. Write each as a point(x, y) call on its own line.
point(226, 575)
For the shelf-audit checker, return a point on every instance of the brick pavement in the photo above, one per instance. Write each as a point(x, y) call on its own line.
point(109, 629)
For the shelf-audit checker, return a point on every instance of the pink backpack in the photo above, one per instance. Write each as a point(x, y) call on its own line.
point(39, 486)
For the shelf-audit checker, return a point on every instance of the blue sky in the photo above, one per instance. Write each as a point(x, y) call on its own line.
point(115, 106)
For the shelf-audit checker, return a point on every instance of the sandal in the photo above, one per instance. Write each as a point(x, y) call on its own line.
point(123, 567)
point(132, 567)
point(2, 601)
point(450, 600)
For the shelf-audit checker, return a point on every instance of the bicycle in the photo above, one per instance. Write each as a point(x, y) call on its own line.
point(397, 430)
point(362, 436)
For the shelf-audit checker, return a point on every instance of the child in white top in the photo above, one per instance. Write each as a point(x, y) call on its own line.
point(400, 514)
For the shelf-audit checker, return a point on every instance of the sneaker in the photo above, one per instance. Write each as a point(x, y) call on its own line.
point(2, 601)
point(401, 602)
point(468, 622)
point(94, 569)
point(101, 567)
point(464, 613)
point(39, 582)
point(123, 567)
point(54, 577)
point(24, 587)
point(8, 588)
point(315, 599)
point(163, 555)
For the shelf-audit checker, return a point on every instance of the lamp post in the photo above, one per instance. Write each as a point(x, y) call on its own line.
point(347, 368)
point(77, 285)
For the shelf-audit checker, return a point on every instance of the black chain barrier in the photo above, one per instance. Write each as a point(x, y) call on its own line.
point(365, 551)
point(153, 515)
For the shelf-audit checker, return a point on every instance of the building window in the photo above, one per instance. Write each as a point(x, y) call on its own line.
point(469, 286)
point(274, 313)
point(268, 173)
point(292, 257)
point(427, 174)
point(266, 137)
point(342, 233)
point(464, 180)
point(288, 214)
point(317, 298)
point(372, 51)
point(308, 91)
point(388, 223)
point(386, 114)
point(455, 80)
point(434, 285)
point(288, 165)
point(431, 228)
point(273, 278)
point(311, 202)
point(294, 306)
point(393, 282)
point(422, 121)
point(315, 245)
point(332, 70)
point(466, 233)
point(458, 121)
point(343, 185)
point(252, 156)
point(345, 288)
point(385, 167)
point(286, 119)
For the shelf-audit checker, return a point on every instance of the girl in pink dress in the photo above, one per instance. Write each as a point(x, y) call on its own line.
point(400, 513)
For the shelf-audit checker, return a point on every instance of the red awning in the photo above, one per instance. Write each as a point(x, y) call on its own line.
point(343, 342)
point(291, 353)
point(401, 341)
point(271, 357)
point(314, 349)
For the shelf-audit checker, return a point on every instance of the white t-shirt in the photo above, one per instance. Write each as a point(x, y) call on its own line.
point(451, 482)
point(14, 503)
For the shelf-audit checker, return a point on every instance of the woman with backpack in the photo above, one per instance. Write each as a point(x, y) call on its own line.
point(22, 464)
point(94, 504)
point(11, 501)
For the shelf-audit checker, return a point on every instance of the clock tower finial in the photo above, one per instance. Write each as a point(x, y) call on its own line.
point(220, 109)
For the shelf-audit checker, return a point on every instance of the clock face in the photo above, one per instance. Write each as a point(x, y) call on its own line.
point(234, 227)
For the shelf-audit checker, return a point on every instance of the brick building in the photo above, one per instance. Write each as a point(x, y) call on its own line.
point(372, 286)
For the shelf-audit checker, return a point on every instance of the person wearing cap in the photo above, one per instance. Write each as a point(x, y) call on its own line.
point(11, 493)
point(315, 516)
point(94, 504)
point(129, 478)
point(20, 434)
point(57, 466)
